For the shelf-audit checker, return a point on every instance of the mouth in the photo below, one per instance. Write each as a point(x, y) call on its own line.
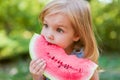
point(49, 43)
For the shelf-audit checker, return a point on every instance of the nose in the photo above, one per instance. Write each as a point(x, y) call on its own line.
point(50, 36)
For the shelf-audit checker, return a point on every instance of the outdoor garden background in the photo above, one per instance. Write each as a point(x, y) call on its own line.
point(19, 21)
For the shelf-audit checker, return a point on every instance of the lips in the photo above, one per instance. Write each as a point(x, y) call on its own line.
point(48, 41)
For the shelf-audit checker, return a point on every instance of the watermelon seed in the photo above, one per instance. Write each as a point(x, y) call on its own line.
point(48, 53)
point(70, 66)
point(58, 61)
point(80, 70)
point(61, 63)
point(53, 58)
point(66, 66)
point(59, 66)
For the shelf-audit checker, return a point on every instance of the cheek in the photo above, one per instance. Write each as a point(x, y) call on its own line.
point(63, 42)
point(43, 32)
point(59, 41)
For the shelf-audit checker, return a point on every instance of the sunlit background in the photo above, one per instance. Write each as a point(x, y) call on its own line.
point(19, 21)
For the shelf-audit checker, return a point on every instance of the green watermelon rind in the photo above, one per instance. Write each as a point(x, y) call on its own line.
point(31, 46)
point(48, 75)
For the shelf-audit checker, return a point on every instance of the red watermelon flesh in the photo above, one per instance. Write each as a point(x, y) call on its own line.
point(60, 66)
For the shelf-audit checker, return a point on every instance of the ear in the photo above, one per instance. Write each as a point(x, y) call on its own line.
point(76, 37)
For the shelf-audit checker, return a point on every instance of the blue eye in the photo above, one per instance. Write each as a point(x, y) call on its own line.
point(45, 25)
point(60, 30)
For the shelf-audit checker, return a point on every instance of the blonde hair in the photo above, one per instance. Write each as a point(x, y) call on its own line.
point(79, 14)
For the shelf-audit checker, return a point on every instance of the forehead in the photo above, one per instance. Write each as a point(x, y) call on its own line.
point(58, 18)
point(55, 14)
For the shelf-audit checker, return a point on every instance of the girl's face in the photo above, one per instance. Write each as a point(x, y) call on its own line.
point(58, 30)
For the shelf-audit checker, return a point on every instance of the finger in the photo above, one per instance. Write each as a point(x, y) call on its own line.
point(41, 70)
point(34, 63)
point(38, 62)
point(39, 65)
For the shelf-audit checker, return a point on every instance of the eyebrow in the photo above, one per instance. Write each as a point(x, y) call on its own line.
point(61, 25)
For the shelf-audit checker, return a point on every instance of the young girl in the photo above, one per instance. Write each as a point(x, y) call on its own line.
point(67, 23)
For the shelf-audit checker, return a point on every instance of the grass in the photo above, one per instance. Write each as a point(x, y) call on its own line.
point(110, 65)
point(18, 69)
point(15, 70)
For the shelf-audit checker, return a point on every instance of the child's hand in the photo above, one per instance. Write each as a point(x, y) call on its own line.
point(37, 68)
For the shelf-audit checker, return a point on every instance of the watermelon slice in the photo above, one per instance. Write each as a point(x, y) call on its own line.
point(60, 66)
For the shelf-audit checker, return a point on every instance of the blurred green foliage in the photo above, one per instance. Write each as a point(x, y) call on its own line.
point(19, 20)
point(17, 70)
point(106, 19)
